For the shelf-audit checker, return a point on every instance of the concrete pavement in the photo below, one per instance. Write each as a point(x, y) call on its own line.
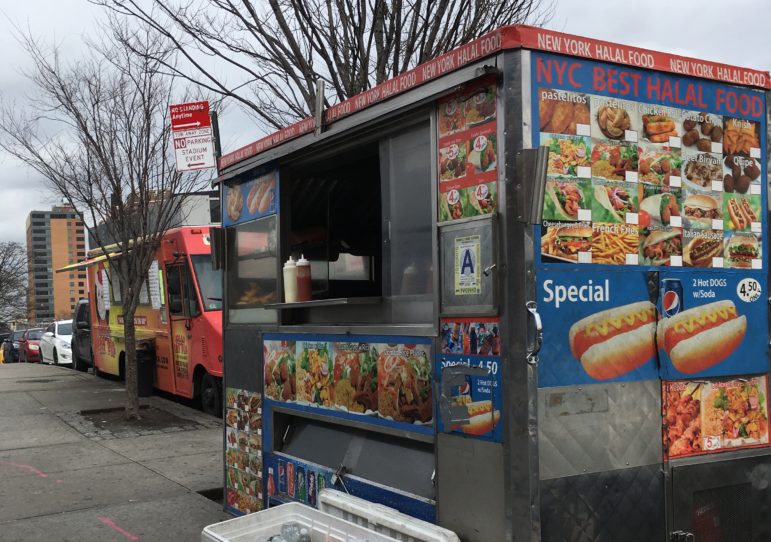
point(72, 470)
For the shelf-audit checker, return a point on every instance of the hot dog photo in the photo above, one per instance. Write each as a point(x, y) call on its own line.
point(482, 418)
point(699, 338)
point(616, 341)
point(741, 211)
point(261, 195)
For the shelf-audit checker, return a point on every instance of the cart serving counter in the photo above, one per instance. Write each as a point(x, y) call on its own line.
point(539, 297)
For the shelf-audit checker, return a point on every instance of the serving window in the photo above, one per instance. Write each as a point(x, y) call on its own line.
point(363, 217)
point(361, 213)
point(333, 213)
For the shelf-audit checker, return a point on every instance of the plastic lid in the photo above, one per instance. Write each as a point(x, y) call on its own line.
point(302, 260)
point(290, 262)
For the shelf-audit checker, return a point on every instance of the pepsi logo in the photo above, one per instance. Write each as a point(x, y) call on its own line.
point(671, 301)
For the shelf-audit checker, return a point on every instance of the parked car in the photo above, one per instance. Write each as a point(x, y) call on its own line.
point(82, 354)
point(55, 344)
point(11, 347)
point(29, 345)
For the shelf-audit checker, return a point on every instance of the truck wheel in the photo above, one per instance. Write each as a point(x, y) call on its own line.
point(211, 395)
point(79, 364)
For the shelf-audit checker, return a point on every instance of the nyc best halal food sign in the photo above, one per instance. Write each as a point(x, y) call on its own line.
point(603, 326)
point(646, 86)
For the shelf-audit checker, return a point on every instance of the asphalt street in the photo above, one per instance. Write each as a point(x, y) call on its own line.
point(72, 469)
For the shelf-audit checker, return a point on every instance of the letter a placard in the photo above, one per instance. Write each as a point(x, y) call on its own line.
point(192, 135)
point(467, 277)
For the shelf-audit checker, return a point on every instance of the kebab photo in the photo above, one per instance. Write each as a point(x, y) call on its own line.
point(660, 245)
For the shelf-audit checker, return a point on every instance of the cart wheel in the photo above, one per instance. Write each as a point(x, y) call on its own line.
point(211, 395)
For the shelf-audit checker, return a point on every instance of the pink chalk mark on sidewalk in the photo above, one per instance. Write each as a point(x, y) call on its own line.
point(22, 466)
point(114, 526)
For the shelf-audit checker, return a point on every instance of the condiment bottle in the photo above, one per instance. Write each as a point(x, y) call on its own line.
point(290, 281)
point(304, 290)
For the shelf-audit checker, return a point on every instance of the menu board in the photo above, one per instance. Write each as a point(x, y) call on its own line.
point(471, 407)
point(654, 194)
point(379, 380)
point(243, 451)
point(468, 152)
point(715, 415)
point(647, 168)
point(249, 200)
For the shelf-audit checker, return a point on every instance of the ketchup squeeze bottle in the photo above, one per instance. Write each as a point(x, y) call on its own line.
point(303, 279)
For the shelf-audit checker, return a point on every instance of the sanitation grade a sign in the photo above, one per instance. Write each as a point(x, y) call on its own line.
point(192, 134)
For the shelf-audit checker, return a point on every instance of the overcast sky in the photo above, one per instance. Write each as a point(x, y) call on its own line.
point(734, 32)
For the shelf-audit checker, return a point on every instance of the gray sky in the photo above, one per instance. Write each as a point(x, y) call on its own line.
point(734, 32)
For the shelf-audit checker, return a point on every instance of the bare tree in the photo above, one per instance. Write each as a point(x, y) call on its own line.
point(279, 48)
point(98, 130)
point(13, 281)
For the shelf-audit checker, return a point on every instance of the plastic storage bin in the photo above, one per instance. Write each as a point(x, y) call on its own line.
point(259, 526)
point(382, 519)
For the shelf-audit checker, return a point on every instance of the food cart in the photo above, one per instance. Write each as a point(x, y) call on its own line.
point(539, 297)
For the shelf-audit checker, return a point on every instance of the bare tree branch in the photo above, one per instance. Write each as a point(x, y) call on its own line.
point(13, 281)
point(275, 51)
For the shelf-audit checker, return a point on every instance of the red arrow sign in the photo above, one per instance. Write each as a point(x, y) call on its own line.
point(189, 116)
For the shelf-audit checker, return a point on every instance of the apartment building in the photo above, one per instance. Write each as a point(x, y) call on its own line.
point(55, 238)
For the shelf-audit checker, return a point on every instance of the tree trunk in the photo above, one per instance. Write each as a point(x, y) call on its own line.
point(130, 372)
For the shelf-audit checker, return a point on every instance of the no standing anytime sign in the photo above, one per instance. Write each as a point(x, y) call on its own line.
point(192, 133)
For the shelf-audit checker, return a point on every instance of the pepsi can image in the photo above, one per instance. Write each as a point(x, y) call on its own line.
point(672, 302)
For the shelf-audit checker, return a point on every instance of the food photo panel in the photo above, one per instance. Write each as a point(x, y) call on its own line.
point(741, 174)
point(614, 244)
point(659, 166)
point(567, 199)
point(705, 321)
point(614, 161)
point(703, 248)
point(614, 201)
point(615, 120)
point(581, 344)
point(661, 246)
point(702, 132)
point(569, 156)
point(566, 242)
point(661, 126)
point(563, 112)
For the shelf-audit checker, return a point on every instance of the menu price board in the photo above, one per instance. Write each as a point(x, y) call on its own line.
point(714, 415)
point(468, 152)
point(648, 169)
point(474, 405)
point(380, 380)
point(243, 451)
point(605, 325)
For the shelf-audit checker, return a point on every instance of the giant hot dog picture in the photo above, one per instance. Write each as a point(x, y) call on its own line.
point(654, 195)
point(252, 199)
point(603, 326)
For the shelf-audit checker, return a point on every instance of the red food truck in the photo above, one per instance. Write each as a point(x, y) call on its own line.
point(179, 317)
point(539, 297)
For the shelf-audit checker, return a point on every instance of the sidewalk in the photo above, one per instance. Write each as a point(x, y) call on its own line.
point(72, 470)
